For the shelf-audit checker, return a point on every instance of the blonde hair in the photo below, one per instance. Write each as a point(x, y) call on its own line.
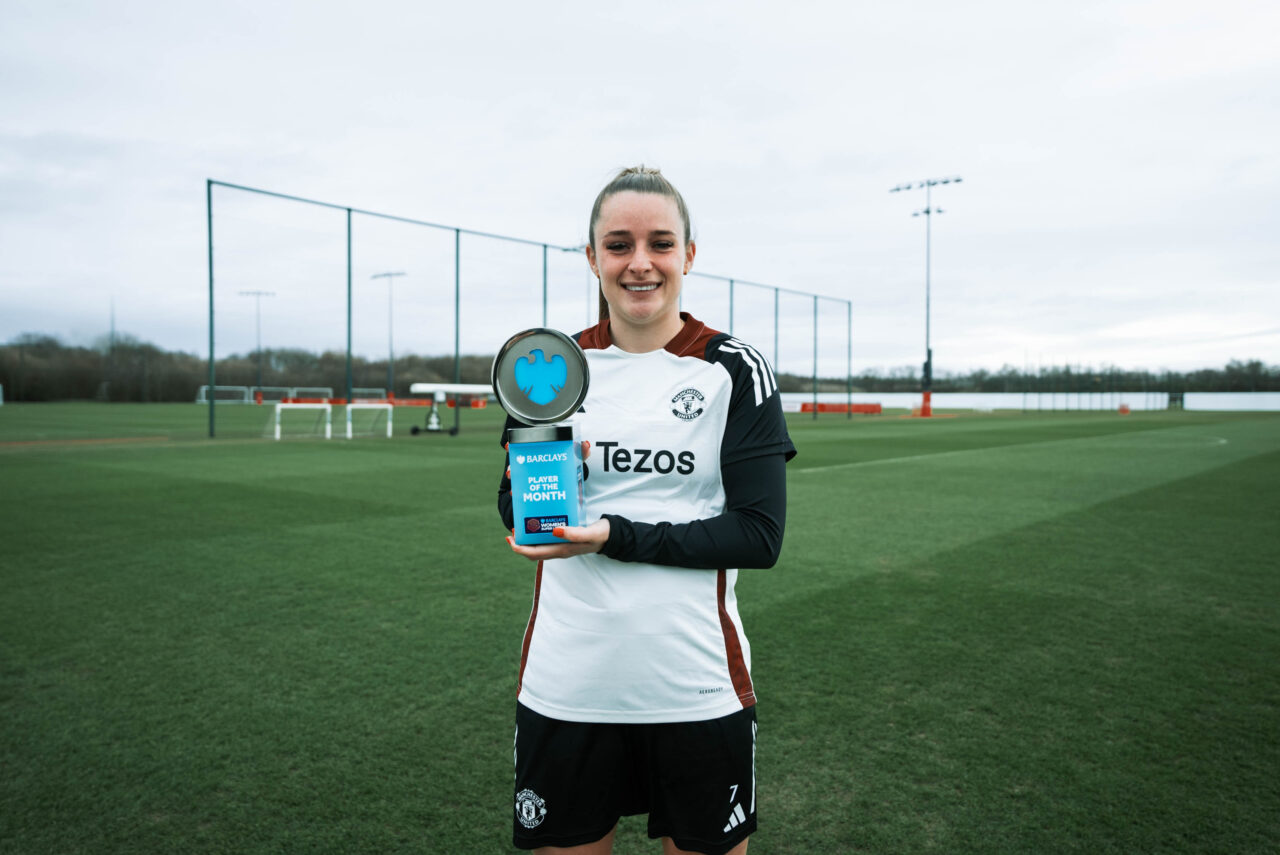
point(637, 179)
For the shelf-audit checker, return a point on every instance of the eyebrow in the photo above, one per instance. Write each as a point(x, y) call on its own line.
point(628, 233)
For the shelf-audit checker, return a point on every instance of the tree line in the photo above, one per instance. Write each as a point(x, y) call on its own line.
point(37, 367)
point(1235, 376)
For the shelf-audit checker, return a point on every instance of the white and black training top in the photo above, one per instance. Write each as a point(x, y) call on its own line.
point(688, 453)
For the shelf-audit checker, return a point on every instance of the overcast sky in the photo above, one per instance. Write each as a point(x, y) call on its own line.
point(1120, 199)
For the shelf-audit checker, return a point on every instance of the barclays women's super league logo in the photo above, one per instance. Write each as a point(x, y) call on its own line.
point(540, 378)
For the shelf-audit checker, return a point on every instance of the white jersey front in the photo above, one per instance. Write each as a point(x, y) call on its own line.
point(631, 642)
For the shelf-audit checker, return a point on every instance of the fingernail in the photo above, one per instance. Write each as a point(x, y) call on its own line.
point(558, 531)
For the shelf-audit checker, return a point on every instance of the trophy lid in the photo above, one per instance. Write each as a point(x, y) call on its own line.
point(541, 433)
point(540, 376)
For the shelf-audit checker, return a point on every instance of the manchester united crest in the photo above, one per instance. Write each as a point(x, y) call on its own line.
point(687, 404)
point(531, 808)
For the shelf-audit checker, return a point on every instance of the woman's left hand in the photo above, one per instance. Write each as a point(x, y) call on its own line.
point(580, 540)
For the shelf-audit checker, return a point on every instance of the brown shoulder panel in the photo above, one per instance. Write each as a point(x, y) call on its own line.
point(692, 338)
point(595, 338)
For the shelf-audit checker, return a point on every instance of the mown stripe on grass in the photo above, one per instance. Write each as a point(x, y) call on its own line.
point(1101, 681)
point(884, 461)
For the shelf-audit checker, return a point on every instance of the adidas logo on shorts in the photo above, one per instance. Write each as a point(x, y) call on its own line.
point(736, 818)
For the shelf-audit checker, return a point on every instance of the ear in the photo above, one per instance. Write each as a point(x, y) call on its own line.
point(690, 250)
point(591, 261)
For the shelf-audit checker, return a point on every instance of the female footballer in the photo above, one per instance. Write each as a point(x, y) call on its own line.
point(635, 691)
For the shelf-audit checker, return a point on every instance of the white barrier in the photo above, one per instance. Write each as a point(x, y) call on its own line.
point(1231, 401)
point(1047, 401)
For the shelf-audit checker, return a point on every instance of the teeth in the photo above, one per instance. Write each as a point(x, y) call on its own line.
point(640, 287)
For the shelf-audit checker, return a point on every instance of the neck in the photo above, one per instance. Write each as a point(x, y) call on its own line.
point(647, 338)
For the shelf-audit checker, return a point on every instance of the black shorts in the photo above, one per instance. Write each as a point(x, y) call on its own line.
point(696, 780)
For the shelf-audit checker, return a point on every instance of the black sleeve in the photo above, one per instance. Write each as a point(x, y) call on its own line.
point(756, 425)
point(747, 534)
point(504, 484)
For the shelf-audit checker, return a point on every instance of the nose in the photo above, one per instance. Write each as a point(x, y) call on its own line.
point(640, 261)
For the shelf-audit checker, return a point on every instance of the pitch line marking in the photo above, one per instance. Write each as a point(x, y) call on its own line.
point(117, 440)
point(1214, 441)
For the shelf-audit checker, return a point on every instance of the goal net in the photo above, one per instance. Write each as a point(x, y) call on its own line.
point(369, 420)
point(290, 421)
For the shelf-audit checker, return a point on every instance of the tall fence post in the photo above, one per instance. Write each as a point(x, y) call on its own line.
point(848, 372)
point(815, 357)
point(213, 373)
point(349, 383)
point(457, 327)
point(775, 329)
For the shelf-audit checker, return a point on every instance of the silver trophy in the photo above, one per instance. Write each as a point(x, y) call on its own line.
point(540, 377)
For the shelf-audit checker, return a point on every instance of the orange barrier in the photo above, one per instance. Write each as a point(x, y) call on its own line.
point(869, 409)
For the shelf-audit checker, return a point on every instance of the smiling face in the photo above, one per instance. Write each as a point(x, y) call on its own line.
point(640, 257)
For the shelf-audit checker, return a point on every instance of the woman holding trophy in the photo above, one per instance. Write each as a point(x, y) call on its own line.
point(635, 692)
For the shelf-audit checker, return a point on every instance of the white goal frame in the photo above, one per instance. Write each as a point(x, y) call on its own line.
point(202, 395)
point(325, 392)
point(380, 406)
point(328, 416)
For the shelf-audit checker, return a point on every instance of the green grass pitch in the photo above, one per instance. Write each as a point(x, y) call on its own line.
point(987, 634)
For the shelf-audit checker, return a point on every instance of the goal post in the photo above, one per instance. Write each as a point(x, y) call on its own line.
point(323, 393)
point(325, 412)
point(384, 408)
point(225, 394)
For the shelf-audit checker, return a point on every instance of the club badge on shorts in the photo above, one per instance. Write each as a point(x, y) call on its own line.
point(531, 808)
point(540, 377)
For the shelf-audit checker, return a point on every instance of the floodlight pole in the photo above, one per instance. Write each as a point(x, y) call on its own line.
point(391, 352)
point(257, 323)
point(928, 184)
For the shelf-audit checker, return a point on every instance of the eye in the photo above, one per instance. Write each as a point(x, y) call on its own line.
point(664, 244)
point(616, 246)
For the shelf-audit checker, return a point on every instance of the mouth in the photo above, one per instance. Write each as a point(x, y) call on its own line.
point(640, 287)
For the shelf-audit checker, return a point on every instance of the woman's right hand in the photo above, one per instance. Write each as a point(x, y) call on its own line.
point(579, 540)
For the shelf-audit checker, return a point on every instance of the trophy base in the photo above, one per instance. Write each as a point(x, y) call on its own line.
point(546, 481)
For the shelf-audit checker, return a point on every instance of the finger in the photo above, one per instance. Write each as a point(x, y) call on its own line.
point(586, 449)
point(571, 533)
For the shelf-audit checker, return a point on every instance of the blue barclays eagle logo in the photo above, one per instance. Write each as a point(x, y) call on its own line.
point(541, 378)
